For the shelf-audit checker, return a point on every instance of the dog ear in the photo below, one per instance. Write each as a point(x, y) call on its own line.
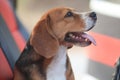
point(43, 39)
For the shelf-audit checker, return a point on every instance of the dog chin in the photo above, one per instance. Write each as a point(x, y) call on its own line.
point(67, 44)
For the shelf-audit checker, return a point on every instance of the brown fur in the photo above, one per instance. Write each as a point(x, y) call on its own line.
point(53, 27)
point(44, 42)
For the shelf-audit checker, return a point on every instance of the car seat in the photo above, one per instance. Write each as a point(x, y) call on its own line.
point(13, 37)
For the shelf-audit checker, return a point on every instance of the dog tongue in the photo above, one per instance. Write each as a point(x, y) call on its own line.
point(84, 35)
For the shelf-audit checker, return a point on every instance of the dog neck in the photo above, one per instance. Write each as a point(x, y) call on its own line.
point(57, 68)
point(54, 68)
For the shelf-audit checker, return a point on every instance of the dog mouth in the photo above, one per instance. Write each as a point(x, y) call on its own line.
point(79, 38)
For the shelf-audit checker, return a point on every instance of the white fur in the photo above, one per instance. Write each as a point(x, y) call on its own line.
point(89, 22)
point(57, 68)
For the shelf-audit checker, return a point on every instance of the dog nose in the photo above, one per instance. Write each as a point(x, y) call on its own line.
point(93, 15)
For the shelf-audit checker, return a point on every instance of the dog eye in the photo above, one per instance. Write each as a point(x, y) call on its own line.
point(69, 14)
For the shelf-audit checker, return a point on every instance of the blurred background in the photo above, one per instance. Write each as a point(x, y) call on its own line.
point(108, 25)
point(89, 63)
point(30, 11)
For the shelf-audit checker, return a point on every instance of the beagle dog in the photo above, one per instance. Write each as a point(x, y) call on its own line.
point(45, 55)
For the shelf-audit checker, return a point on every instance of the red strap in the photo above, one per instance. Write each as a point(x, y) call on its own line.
point(8, 15)
point(5, 70)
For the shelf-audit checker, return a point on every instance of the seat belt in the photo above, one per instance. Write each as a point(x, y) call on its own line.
point(8, 44)
point(22, 29)
point(117, 70)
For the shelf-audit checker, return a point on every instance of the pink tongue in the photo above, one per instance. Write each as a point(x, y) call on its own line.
point(84, 35)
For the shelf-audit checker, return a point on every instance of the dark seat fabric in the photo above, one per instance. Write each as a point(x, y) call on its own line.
point(18, 35)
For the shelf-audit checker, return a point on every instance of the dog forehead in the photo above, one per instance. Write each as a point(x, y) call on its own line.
point(59, 12)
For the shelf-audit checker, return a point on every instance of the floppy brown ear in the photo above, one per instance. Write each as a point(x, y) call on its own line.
point(43, 40)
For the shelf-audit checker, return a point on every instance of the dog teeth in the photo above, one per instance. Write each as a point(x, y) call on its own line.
point(70, 35)
point(86, 39)
point(76, 37)
point(73, 36)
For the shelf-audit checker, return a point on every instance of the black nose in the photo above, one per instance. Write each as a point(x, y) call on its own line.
point(93, 15)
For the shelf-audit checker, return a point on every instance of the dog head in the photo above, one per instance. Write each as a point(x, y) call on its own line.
point(62, 26)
